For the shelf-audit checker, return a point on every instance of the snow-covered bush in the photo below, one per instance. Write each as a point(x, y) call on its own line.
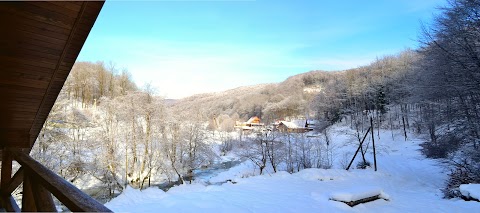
point(444, 145)
point(363, 165)
point(466, 169)
point(464, 173)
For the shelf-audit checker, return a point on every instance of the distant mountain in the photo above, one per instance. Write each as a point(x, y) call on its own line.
point(315, 94)
point(169, 101)
point(291, 97)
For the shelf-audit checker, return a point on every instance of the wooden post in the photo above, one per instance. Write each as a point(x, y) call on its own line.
point(43, 198)
point(361, 143)
point(373, 143)
point(6, 168)
point(28, 199)
point(7, 200)
point(14, 182)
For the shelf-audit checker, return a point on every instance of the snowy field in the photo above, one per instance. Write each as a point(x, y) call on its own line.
point(411, 183)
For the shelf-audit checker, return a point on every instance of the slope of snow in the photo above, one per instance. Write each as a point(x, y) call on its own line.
point(412, 182)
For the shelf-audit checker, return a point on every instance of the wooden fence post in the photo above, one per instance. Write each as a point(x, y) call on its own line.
point(373, 143)
point(360, 146)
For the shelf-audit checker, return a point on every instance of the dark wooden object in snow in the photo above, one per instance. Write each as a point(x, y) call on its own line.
point(364, 200)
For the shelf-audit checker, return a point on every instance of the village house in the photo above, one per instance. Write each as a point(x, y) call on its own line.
point(251, 124)
point(294, 126)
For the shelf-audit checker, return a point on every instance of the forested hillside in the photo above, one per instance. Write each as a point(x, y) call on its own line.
point(315, 94)
point(106, 128)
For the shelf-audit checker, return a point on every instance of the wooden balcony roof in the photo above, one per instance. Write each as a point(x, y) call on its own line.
point(39, 43)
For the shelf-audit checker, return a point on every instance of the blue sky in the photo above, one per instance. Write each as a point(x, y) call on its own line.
point(188, 47)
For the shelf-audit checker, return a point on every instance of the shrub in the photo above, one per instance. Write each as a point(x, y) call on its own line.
point(363, 165)
point(467, 171)
point(444, 145)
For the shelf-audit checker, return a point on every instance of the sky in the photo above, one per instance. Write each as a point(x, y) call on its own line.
point(183, 48)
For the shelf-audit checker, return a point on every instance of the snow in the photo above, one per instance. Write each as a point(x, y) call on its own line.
point(470, 190)
point(293, 124)
point(358, 193)
point(412, 182)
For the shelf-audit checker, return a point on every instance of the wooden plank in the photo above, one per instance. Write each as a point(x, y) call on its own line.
point(12, 138)
point(27, 61)
point(21, 98)
point(15, 125)
point(11, 119)
point(73, 198)
point(13, 184)
point(69, 60)
point(27, 35)
point(14, 90)
point(35, 24)
point(23, 26)
point(75, 43)
point(20, 108)
point(18, 45)
point(38, 84)
point(75, 6)
point(15, 12)
point(28, 198)
point(97, 6)
point(53, 8)
point(85, 24)
point(25, 69)
point(25, 106)
point(364, 200)
point(31, 51)
point(37, 13)
point(30, 54)
point(43, 198)
point(21, 116)
point(15, 73)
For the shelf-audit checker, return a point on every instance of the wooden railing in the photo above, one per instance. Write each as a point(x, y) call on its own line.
point(39, 183)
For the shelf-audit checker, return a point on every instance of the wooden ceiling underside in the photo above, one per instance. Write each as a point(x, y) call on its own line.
point(39, 43)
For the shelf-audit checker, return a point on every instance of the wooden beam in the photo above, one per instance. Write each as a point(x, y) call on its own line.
point(14, 182)
point(43, 198)
point(364, 200)
point(7, 200)
point(6, 168)
point(28, 198)
point(69, 195)
point(13, 138)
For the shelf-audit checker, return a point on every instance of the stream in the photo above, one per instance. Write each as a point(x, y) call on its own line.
point(202, 175)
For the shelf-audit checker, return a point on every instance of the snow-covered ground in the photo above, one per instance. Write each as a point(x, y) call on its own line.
point(411, 182)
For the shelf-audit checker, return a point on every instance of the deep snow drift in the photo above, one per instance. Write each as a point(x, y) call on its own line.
point(411, 181)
